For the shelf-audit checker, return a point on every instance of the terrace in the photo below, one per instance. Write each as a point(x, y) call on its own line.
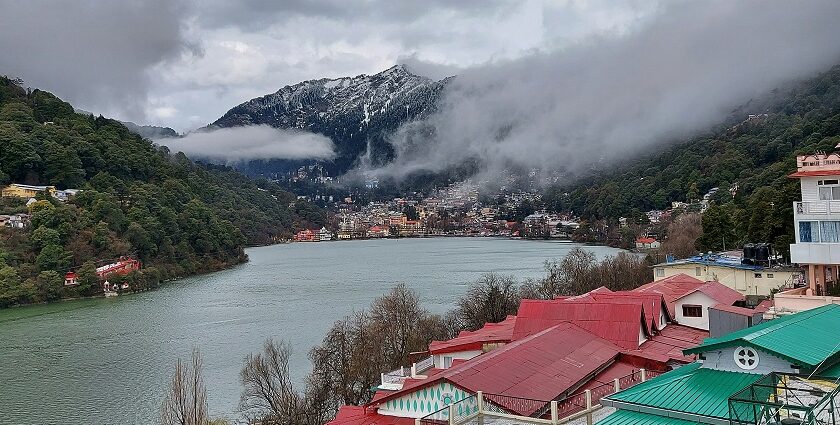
point(495, 409)
point(394, 380)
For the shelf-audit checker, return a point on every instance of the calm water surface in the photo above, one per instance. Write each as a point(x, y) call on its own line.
point(108, 361)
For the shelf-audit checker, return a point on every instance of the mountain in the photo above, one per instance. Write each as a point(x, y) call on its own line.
point(748, 162)
point(357, 113)
point(177, 216)
point(150, 132)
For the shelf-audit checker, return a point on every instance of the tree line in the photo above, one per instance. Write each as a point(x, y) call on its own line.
point(358, 348)
point(138, 199)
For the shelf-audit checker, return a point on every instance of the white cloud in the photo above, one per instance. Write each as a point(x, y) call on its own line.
point(252, 142)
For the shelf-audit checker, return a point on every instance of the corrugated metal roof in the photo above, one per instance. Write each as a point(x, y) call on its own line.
point(539, 367)
point(466, 340)
point(359, 415)
point(627, 417)
point(689, 389)
point(784, 336)
point(678, 286)
point(670, 343)
point(618, 323)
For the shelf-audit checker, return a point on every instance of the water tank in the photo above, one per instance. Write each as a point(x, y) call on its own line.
point(762, 253)
point(749, 254)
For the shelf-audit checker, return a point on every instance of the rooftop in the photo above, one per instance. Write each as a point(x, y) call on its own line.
point(784, 336)
point(688, 389)
point(729, 261)
point(678, 286)
point(475, 340)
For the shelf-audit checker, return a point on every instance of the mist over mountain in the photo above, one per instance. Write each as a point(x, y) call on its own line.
point(357, 113)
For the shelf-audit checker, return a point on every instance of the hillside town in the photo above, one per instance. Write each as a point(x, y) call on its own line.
point(712, 339)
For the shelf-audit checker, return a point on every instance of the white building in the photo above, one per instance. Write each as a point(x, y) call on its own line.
point(817, 219)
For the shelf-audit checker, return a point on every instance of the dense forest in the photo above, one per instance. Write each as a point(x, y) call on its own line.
point(138, 199)
point(748, 161)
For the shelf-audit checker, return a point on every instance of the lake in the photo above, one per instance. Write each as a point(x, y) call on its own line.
point(108, 361)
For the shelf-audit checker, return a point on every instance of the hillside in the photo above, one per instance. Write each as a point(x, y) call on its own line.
point(750, 159)
point(177, 216)
point(355, 112)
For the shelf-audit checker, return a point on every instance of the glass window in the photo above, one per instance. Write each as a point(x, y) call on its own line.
point(697, 271)
point(660, 272)
point(692, 311)
point(758, 275)
point(447, 362)
point(769, 275)
point(830, 231)
point(825, 194)
point(808, 231)
point(835, 193)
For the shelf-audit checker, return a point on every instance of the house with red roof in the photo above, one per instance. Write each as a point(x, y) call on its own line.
point(689, 299)
point(647, 243)
point(549, 351)
point(469, 344)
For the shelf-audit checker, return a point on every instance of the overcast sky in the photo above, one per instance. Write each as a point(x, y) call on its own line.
point(184, 63)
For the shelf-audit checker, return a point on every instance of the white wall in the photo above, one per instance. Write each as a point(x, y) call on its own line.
point(696, 298)
point(724, 359)
point(809, 188)
point(424, 401)
point(814, 253)
point(462, 355)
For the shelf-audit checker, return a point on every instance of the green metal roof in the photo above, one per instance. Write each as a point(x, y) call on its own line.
point(628, 417)
point(689, 389)
point(784, 336)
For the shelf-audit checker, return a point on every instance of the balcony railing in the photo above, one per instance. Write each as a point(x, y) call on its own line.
point(394, 379)
point(817, 207)
point(502, 409)
point(781, 398)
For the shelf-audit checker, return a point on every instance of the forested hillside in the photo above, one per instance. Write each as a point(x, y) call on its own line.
point(751, 160)
point(138, 199)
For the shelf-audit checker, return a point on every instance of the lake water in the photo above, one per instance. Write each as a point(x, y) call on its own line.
point(108, 361)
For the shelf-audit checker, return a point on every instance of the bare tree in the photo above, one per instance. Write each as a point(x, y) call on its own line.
point(186, 401)
point(682, 235)
point(489, 300)
point(269, 398)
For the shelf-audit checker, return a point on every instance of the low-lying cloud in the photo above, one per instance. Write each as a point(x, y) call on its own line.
point(685, 69)
point(236, 144)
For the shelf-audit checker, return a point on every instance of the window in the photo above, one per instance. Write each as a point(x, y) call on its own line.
point(660, 272)
point(447, 362)
point(697, 271)
point(757, 275)
point(809, 231)
point(769, 275)
point(746, 358)
point(692, 311)
point(830, 231)
point(830, 191)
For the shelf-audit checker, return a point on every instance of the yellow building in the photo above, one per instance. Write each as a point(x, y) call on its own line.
point(25, 190)
point(744, 278)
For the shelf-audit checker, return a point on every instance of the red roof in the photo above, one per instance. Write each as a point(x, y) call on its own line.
point(653, 304)
point(669, 344)
point(743, 311)
point(763, 306)
point(619, 323)
point(360, 415)
point(678, 286)
point(815, 173)
point(475, 340)
point(539, 367)
point(645, 240)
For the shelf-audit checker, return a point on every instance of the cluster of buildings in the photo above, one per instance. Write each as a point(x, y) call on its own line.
point(556, 350)
point(26, 191)
point(720, 339)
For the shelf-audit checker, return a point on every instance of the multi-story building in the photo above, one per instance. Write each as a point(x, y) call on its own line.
point(817, 220)
point(25, 190)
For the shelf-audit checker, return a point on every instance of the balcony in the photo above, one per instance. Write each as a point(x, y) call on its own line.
point(816, 210)
point(495, 409)
point(783, 399)
point(394, 379)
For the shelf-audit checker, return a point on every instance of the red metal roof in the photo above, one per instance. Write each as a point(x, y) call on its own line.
point(815, 173)
point(540, 367)
point(669, 344)
point(675, 287)
point(619, 323)
point(645, 240)
point(466, 340)
point(743, 311)
point(360, 415)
